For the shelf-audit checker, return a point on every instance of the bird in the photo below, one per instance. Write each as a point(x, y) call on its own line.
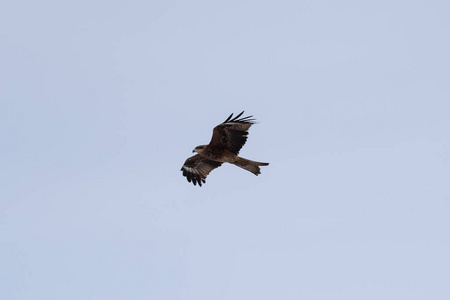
point(226, 142)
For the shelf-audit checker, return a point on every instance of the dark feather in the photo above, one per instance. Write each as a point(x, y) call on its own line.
point(196, 168)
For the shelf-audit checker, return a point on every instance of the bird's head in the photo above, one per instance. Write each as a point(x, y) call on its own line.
point(199, 149)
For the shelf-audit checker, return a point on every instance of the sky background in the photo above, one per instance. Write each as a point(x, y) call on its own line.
point(101, 102)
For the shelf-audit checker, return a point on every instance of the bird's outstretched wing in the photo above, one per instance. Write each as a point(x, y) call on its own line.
point(231, 134)
point(196, 168)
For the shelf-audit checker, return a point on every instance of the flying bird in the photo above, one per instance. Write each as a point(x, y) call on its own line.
point(228, 138)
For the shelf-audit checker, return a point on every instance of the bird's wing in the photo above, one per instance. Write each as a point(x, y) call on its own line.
point(196, 168)
point(231, 134)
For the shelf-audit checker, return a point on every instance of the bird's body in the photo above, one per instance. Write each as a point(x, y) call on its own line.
point(228, 138)
point(216, 154)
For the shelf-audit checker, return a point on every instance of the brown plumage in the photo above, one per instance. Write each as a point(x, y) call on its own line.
point(226, 142)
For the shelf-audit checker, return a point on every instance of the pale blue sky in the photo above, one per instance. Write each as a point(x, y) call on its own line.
point(102, 101)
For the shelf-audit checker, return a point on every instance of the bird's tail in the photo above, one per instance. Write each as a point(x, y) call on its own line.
point(250, 165)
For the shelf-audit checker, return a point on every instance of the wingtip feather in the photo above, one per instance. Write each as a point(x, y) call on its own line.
point(228, 119)
point(248, 119)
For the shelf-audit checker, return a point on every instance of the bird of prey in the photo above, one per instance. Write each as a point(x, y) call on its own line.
point(228, 138)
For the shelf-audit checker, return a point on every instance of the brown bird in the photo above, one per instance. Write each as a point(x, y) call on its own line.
point(228, 138)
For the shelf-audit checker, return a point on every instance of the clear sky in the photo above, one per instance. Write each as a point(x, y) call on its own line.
point(102, 101)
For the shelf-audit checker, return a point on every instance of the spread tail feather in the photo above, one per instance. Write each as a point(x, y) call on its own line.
point(250, 165)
